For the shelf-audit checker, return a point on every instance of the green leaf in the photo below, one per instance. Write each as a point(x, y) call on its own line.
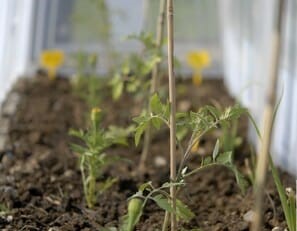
point(139, 131)
point(168, 185)
point(206, 161)
point(181, 132)
point(224, 158)
point(77, 133)
point(157, 122)
point(183, 211)
point(78, 148)
point(145, 186)
point(163, 203)
point(240, 179)
point(133, 86)
point(117, 87)
point(156, 104)
point(216, 150)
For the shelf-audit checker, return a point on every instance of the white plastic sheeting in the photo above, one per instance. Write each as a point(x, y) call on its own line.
point(247, 28)
point(15, 39)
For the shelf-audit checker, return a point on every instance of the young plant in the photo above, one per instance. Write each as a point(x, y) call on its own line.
point(162, 198)
point(155, 81)
point(134, 71)
point(287, 195)
point(93, 159)
point(229, 139)
point(198, 123)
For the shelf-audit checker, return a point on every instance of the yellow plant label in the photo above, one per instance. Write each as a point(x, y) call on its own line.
point(197, 78)
point(51, 60)
point(198, 59)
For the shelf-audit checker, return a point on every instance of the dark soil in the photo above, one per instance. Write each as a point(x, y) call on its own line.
point(40, 183)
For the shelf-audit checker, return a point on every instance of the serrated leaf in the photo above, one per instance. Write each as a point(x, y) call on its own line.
point(207, 160)
point(139, 131)
point(224, 158)
point(181, 132)
point(77, 148)
point(168, 185)
point(140, 119)
point(117, 90)
point(163, 203)
point(213, 111)
point(156, 122)
point(183, 211)
point(77, 133)
point(216, 150)
point(145, 186)
point(156, 104)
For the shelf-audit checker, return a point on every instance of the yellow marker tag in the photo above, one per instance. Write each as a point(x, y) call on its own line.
point(197, 78)
point(195, 147)
point(51, 60)
point(198, 59)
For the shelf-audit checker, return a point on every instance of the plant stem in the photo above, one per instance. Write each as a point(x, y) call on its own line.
point(264, 146)
point(165, 222)
point(154, 83)
point(172, 102)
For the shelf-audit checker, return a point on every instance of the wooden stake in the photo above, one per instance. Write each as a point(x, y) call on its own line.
point(159, 40)
point(154, 83)
point(265, 143)
point(172, 102)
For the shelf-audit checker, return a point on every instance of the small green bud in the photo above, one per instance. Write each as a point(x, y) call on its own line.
point(95, 114)
point(134, 212)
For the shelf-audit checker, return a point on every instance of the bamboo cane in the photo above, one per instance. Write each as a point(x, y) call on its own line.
point(172, 102)
point(265, 143)
point(154, 83)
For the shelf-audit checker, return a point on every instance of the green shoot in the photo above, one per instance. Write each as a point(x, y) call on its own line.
point(288, 199)
point(161, 197)
point(199, 123)
point(155, 81)
point(134, 71)
point(93, 159)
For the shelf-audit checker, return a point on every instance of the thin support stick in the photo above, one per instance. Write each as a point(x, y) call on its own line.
point(172, 102)
point(159, 40)
point(264, 144)
point(154, 83)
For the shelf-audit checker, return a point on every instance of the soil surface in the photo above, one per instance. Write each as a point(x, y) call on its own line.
point(40, 182)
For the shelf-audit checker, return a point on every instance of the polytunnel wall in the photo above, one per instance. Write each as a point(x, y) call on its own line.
point(247, 28)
